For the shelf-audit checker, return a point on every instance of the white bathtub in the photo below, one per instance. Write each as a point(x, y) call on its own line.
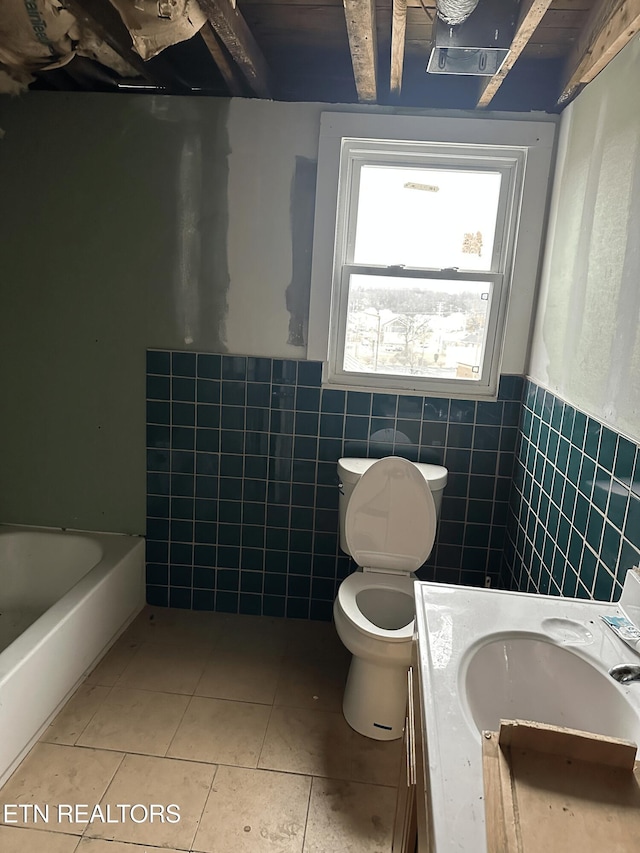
point(64, 598)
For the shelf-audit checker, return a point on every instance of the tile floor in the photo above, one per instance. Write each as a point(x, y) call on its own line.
point(236, 720)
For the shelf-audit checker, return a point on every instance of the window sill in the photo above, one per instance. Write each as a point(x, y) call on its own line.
point(490, 395)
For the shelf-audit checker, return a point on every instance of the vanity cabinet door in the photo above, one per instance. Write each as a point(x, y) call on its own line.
point(405, 826)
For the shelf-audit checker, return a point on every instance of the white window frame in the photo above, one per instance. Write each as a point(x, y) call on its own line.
point(522, 150)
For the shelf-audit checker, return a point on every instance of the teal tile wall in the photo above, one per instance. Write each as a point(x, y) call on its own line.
point(574, 513)
point(242, 502)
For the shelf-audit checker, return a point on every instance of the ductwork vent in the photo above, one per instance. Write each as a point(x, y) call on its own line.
point(477, 42)
point(454, 12)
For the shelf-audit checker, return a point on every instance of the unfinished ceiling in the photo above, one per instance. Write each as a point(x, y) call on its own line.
point(372, 51)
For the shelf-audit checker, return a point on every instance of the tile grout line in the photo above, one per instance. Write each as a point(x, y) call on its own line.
point(204, 806)
point(306, 818)
point(38, 828)
point(273, 705)
point(84, 683)
point(104, 793)
point(180, 721)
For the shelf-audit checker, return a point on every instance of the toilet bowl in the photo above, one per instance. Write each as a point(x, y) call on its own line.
point(388, 517)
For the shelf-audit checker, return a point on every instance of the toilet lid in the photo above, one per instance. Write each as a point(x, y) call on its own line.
point(390, 522)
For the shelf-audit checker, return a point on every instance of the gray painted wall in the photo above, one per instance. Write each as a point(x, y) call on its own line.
point(125, 220)
point(586, 343)
point(104, 204)
point(132, 222)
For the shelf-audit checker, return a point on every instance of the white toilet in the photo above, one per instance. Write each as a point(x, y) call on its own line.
point(388, 514)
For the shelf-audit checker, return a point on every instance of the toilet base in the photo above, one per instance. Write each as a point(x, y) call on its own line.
point(375, 699)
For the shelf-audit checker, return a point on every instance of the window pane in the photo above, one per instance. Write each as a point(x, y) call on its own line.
point(416, 327)
point(418, 217)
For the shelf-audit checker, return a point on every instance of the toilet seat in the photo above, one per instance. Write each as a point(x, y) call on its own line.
point(360, 581)
point(380, 523)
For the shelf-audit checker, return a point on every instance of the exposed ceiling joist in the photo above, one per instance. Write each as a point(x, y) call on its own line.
point(236, 36)
point(104, 20)
point(531, 14)
point(223, 60)
point(313, 47)
point(608, 28)
point(360, 16)
point(398, 31)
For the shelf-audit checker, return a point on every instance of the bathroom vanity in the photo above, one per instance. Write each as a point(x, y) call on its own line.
point(480, 656)
point(411, 802)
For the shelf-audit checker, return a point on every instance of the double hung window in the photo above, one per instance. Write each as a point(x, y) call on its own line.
point(423, 247)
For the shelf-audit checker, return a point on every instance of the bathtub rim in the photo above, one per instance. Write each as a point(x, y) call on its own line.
point(125, 569)
point(26, 643)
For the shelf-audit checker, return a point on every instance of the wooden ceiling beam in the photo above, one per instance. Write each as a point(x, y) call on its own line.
point(398, 34)
point(610, 25)
point(220, 55)
point(104, 20)
point(360, 17)
point(235, 35)
point(531, 13)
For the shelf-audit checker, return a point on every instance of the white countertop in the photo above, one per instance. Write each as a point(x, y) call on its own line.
point(452, 623)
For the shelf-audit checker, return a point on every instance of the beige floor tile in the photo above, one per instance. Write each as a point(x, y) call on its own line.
point(316, 667)
point(221, 732)
point(114, 663)
point(76, 714)
point(242, 674)
point(317, 684)
point(247, 632)
point(161, 781)
point(302, 741)
point(15, 840)
point(135, 721)
point(94, 845)
point(307, 638)
point(54, 774)
point(170, 626)
point(167, 669)
point(375, 761)
point(254, 811)
point(349, 817)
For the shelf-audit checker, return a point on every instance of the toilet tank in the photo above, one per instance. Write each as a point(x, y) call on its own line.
point(350, 469)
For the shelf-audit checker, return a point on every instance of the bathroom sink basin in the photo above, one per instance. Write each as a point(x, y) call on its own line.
point(487, 655)
point(521, 677)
